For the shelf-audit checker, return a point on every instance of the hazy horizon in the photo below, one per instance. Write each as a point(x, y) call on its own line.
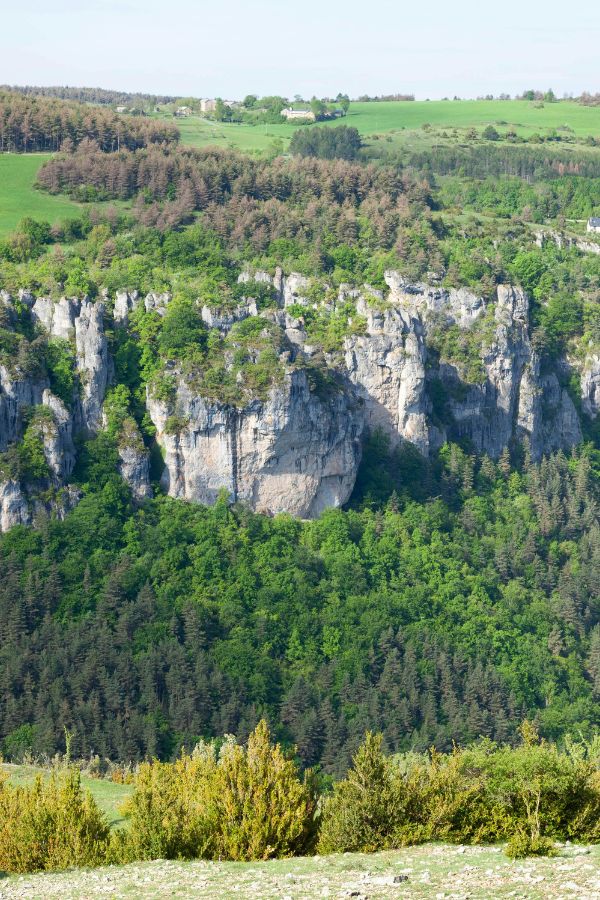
point(231, 49)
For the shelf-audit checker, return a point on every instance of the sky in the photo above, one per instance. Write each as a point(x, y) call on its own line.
point(229, 48)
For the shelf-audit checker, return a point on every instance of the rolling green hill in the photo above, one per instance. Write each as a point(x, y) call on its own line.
point(400, 123)
point(400, 120)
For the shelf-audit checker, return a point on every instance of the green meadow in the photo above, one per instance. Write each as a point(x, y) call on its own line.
point(403, 122)
point(18, 197)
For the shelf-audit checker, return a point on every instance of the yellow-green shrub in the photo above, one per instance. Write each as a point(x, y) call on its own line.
point(50, 825)
point(529, 795)
point(369, 809)
point(246, 803)
point(169, 818)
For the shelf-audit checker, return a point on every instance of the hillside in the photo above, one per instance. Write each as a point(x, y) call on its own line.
point(308, 438)
point(388, 128)
point(401, 123)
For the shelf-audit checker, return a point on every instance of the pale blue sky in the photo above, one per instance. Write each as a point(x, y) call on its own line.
point(230, 47)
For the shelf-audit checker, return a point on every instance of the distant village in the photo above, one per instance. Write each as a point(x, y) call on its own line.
point(253, 109)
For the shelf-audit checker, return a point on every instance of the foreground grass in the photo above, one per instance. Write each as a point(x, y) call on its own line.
point(18, 197)
point(431, 871)
point(108, 795)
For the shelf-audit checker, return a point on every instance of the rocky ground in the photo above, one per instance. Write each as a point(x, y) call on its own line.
point(433, 871)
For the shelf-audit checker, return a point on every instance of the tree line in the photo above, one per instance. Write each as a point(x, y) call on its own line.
point(261, 198)
point(31, 124)
point(95, 95)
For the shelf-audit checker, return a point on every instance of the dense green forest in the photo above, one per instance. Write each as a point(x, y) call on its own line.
point(444, 610)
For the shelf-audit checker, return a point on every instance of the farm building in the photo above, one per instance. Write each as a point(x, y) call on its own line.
point(594, 224)
point(298, 114)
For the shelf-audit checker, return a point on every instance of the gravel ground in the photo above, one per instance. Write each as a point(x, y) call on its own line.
point(433, 871)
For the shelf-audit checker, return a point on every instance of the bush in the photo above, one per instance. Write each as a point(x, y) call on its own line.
point(369, 807)
point(244, 803)
point(51, 825)
point(522, 844)
point(60, 363)
point(529, 795)
point(183, 331)
point(168, 819)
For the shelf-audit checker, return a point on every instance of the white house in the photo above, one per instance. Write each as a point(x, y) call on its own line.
point(594, 224)
point(290, 113)
point(183, 111)
point(208, 105)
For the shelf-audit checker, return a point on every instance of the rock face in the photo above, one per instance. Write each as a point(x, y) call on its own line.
point(92, 363)
point(17, 391)
point(81, 323)
point(547, 235)
point(394, 374)
point(14, 508)
point(294, 449)
point(387, 367)
point(590, 385)
point(134, 468)
point(57, 318)
point(58, 438)
point(125, 302)
point(293, 452)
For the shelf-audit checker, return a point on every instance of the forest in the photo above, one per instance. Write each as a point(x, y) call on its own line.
point(29, 123)
point(447, 603)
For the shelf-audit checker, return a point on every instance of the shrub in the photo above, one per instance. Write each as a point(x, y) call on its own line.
point(168, 818)
point(183, 331)
point(245, 803)
point(529, 795)
point(368, 808)
point(522, 844)
point(60, 362)
point(51, 825)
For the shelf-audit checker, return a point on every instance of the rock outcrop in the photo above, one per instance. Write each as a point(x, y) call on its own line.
point(92, 363)
point(293, 448)
point(590, 385)
point(386, 365)
point(394, 374)
point(14, 508)
point(561, 240)
point(17, 392)
point(134, 468)
point(58, 438)
point(293, 452)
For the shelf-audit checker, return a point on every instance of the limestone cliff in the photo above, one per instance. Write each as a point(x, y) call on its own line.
point(294, 452)
point(513, 399)
point(421, 362)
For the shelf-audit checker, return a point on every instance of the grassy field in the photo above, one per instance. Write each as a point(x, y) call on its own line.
point(18, 198)
point(108, 795)
point(432, 871)
point(403, 122)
